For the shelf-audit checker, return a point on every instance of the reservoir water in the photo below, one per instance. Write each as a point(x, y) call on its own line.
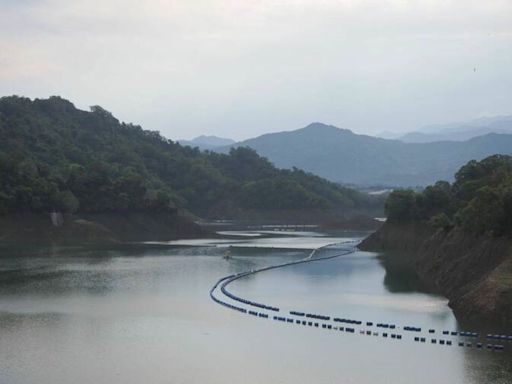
point(141, 313)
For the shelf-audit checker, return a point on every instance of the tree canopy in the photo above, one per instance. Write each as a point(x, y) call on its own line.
point(54, 156)
point(479, 200)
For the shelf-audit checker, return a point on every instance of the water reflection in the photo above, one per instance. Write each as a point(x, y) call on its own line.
point(137, 314)
point(400, 274)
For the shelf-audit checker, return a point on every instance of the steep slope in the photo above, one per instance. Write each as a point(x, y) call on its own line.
point(342, 156)
point(56, 157)
point(459, 237)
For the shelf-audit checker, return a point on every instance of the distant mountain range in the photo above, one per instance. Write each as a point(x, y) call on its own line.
point(456, 131)
point(207, 142)
point(343, 156)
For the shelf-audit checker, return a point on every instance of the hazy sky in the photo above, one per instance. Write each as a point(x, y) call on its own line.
point(239, 68)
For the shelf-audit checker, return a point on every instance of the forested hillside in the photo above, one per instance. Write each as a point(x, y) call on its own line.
point(479, 201)
point(458, 237)
point(54, 156)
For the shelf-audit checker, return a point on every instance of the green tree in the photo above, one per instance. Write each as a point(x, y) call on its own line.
point(401, 206)
point(441, 221)
point(483, 214)
point(67, 202)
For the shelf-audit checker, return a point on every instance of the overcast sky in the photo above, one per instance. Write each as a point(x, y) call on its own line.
point(240, 68)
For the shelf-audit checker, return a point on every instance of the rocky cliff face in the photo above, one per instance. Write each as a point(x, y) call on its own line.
point(475, 274)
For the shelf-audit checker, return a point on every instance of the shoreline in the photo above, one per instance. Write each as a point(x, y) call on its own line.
point(471, 272)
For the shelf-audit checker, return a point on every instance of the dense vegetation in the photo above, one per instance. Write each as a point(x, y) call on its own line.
point(479, 201)
point(56, 157)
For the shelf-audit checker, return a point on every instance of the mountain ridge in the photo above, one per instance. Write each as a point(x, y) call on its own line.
point(458, 131)
point(207, 142)
point(341, 155)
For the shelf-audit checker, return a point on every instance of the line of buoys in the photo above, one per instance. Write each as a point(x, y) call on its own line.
point(491, 347)
point(225, 281)
point(228, 280)
point(452, 333)
point(234, 307)
point(494, 347)
point(223, 303)
point(242, 300)
point(347, 321)
point(468, 334)
point(382, 325)
point(499, 337)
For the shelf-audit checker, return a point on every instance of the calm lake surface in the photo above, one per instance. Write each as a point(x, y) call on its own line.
point(142, 314)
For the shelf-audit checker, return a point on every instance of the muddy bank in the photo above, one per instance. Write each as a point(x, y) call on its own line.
point(475, 274)
point(95, 228)
point(324, 218)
